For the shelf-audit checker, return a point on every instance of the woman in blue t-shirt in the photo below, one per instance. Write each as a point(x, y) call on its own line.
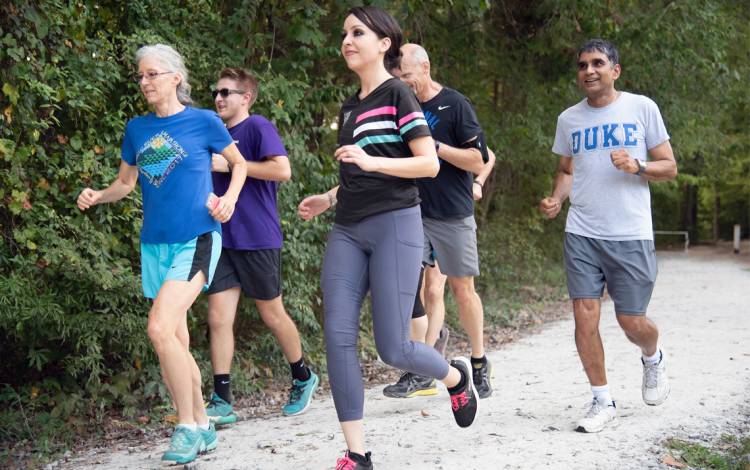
point(384, 143)
point(169, 152)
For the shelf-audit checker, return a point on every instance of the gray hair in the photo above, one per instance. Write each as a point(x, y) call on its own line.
point(603, 46)
point(173, 62)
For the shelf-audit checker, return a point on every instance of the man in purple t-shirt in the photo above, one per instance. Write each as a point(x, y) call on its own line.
point(251, 246)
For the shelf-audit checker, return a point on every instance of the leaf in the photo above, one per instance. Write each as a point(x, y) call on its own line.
point(672, 462)
point(75, 142)
point(11, 92)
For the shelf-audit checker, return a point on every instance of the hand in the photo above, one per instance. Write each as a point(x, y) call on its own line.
point(550, 206)
point(354, 154)
point(622, 160)
point(476, 191)
point(223, 209)
point(312, 206)
point(88, 198)
point(219, 164)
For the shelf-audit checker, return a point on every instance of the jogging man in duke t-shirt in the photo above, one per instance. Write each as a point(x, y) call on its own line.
point(611, 144)
point(448, 213)
point(251, 255)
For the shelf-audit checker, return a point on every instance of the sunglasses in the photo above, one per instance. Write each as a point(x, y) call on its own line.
point(224, 92)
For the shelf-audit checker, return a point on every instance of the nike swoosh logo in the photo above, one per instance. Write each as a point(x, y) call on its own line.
point(440, 108)
point(224, 383)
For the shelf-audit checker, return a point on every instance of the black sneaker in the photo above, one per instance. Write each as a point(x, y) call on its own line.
point(442, 341)
point(411, 385)
point(483, 379)
point(464, 401)
point(351, 462)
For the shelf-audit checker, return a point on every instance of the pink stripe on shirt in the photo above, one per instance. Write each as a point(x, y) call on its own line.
point(376, 112)
point(409, 117)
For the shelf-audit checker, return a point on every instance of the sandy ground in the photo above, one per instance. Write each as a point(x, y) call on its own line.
point(701, 304)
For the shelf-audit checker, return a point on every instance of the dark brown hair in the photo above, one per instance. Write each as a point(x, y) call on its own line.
point(384, 26)
point(244, 78)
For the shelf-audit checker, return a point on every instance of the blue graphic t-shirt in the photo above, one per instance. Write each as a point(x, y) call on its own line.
point(173, 155)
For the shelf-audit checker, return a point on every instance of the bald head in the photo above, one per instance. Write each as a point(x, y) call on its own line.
point(414, 54)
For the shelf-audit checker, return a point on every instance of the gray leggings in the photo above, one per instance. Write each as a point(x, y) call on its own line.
point(381, 253)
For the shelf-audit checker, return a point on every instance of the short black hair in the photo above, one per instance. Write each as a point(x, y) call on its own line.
point(384, 26)
point(603, 46)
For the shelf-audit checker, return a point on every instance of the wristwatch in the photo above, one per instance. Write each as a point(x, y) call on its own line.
point(641, 166)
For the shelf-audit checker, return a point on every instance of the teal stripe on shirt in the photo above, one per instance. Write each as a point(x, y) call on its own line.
point(416, 122)
point(378, 139)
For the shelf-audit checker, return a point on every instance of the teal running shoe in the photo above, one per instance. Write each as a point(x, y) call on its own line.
point(301, 395)
point(210, 439)
point(220, 412)
point(184, 447)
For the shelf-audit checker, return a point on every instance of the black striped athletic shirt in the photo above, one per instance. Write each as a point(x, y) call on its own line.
point(382, 124)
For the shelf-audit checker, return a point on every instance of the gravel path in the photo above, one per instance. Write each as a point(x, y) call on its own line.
point(701, 304)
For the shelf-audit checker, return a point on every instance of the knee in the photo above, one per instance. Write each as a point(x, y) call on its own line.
point(464, 292)
point(396, 355)
point(275, 319)
point(630, 323)
point(218, 320)
point(586, 316)
point(433, 294)
point(157, 333)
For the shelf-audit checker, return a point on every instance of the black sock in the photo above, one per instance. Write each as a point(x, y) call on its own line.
point(222, 384)
point(460, 385)
point(300, 371)
point(359, 458)
point(478, 363)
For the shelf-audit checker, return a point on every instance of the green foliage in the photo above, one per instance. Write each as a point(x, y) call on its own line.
point(72, 318)
point(729, 454)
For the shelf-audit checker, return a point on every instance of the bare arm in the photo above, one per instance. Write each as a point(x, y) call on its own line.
point(550, 206)
point(316, 204)
point(120, 187)
point(423, 164)
point(661, 167)
point(466, 159)
point(224, 208)
point(273, 168)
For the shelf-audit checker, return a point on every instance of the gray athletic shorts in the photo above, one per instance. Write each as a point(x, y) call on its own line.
point(453, 242)
point(628, 268)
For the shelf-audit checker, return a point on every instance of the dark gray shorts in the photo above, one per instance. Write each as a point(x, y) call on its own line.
point(257, 272)
point(628, 268)
point(453, 243)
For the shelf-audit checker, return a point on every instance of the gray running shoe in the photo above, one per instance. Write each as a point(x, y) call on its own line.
point(411, 385)
point(655, 388)
point(483, 379)
point(442, 341)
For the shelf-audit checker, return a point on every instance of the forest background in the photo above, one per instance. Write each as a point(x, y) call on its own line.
point(72, 318)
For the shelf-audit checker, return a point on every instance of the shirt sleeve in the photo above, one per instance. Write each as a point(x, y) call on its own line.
point(409, 117)
point(468, 128)
point(656, 131)
point(270, 144)
point(217, 135)
point(127, 151)
point(562, 144)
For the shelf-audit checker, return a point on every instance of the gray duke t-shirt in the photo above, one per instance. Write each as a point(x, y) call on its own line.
point(607, 203)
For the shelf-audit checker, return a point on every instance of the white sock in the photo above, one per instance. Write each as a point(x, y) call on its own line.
point(651, 360)
point(601, 394)
point(193, 427)
point(205, 426)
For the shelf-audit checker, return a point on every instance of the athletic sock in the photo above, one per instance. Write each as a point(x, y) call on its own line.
point(601, 394)
point(478, 363)
point(193, 427)
point(206, 426)
point(300, 371)
point(460, 385)
point(359, 458)
point(651, 360)
point(222, 384)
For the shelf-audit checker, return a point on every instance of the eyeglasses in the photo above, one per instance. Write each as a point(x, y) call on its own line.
point(224, 92)
point(138, 78)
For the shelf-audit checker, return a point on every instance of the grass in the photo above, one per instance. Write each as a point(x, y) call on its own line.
point(729, 453)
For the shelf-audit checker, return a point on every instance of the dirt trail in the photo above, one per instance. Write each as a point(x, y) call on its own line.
point(701, 304)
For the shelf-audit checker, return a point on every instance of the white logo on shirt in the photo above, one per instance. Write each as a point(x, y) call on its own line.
point(346, 116)
point(440, 108)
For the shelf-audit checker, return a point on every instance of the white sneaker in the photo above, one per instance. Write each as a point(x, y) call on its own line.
point(655, 388)
point(598, 417)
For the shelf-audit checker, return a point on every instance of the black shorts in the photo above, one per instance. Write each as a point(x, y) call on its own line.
point(257, 272)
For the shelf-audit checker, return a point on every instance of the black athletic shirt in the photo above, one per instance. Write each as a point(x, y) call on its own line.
point(382, 124)
point(453, 121)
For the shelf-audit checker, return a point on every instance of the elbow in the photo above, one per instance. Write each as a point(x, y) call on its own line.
point(674, 172)
point(434, 168)
point(285, 175)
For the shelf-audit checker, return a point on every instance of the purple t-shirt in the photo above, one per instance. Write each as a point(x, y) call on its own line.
point(255, 223)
